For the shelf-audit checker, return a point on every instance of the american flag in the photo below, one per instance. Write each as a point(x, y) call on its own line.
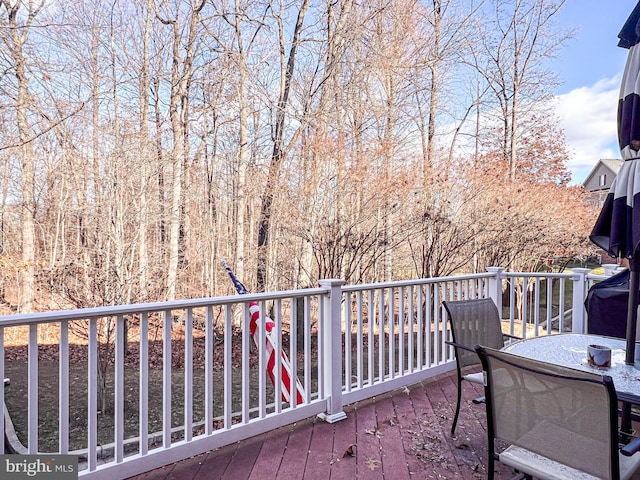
point(271, 345)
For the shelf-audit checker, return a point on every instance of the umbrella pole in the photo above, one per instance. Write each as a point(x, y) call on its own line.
point(632, 317)
point(632, 309)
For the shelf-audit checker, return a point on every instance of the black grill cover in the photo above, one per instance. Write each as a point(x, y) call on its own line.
point(606, 306)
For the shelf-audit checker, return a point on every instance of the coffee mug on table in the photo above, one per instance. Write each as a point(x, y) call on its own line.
point(599, 356)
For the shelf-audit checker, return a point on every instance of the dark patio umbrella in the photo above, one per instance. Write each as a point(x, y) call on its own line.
point(617, 229)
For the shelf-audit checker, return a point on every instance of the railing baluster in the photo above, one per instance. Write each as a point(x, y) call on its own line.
point(401, 331)
point(429, 325)
point(512, 305)
point(188, 376)
point(360, 339)
point(63, 389)
point(33, 390)
point(411, 330)
point(321, 353)
point(166, 378)
point(436, 324)
point(143, 413)
point(447, 351)
point(208, 367)
point(549, 305)
point(420, 356)
point(118, 406)
point(392, 331)
point(307, 349)
point(262, 362)
point(246, 377)
point(371, 312)
point(293, 351)
point(228, 371)
point(277, 354)
point(536, 311)
point(381, 335)
point(92, 395)
point(563, 286)
point(525, 305)
point(2, 392)
point(347, 341)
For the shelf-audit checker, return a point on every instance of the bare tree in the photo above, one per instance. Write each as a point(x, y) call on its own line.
point(181, 74)
point(15, 39)
point(513, 49)
point(279, 150)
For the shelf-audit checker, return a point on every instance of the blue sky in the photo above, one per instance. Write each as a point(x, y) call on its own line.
point(590, 66)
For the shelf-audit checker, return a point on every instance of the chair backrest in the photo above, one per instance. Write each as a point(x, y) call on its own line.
point(566, 415)
point(474, 322)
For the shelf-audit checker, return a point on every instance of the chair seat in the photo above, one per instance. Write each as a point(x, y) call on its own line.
point(477, 377)
point(547, 469)
point(549, 439)
point(505, 380)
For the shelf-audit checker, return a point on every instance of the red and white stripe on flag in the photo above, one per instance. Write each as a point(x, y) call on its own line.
point(271, 348)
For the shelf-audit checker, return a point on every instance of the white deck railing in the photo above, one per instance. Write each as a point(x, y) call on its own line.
point(346, 343)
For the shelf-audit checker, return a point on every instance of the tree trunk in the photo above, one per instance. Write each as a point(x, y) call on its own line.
point(278, 151)
point(180, 81)
point(144, 88)
point(18, 36)
point(241, 206)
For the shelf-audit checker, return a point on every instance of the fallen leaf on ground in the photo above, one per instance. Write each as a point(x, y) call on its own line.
point(372, 463)
point(374, 431)
point(350, 451)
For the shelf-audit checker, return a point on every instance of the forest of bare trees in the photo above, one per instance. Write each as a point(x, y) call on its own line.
point(143, 141)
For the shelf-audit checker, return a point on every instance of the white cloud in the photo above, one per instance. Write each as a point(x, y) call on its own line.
point(588, 117)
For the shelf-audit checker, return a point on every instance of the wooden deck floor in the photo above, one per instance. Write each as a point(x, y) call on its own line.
point(397, 436)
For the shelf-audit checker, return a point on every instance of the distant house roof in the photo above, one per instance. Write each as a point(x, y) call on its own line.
point(602, 174)
point(615, 164)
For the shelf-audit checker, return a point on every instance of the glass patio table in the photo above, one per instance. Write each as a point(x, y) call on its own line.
point(570, 350)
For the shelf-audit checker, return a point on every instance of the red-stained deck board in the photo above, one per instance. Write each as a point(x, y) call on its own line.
point(394, 459)
point(471, 440)
point(157, 474)
point(268, 461)
point(294, 458)
point(320, 457)
point(412, 438)
point(344, 466)
point(468, 430)
point(436, 423)
point(188, 468)
point(243, 459)
point(214, 463)
point(368, 456)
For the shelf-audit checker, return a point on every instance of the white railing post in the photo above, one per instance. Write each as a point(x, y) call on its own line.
point(332, 350)
point(495, 286)
point(579, 319)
